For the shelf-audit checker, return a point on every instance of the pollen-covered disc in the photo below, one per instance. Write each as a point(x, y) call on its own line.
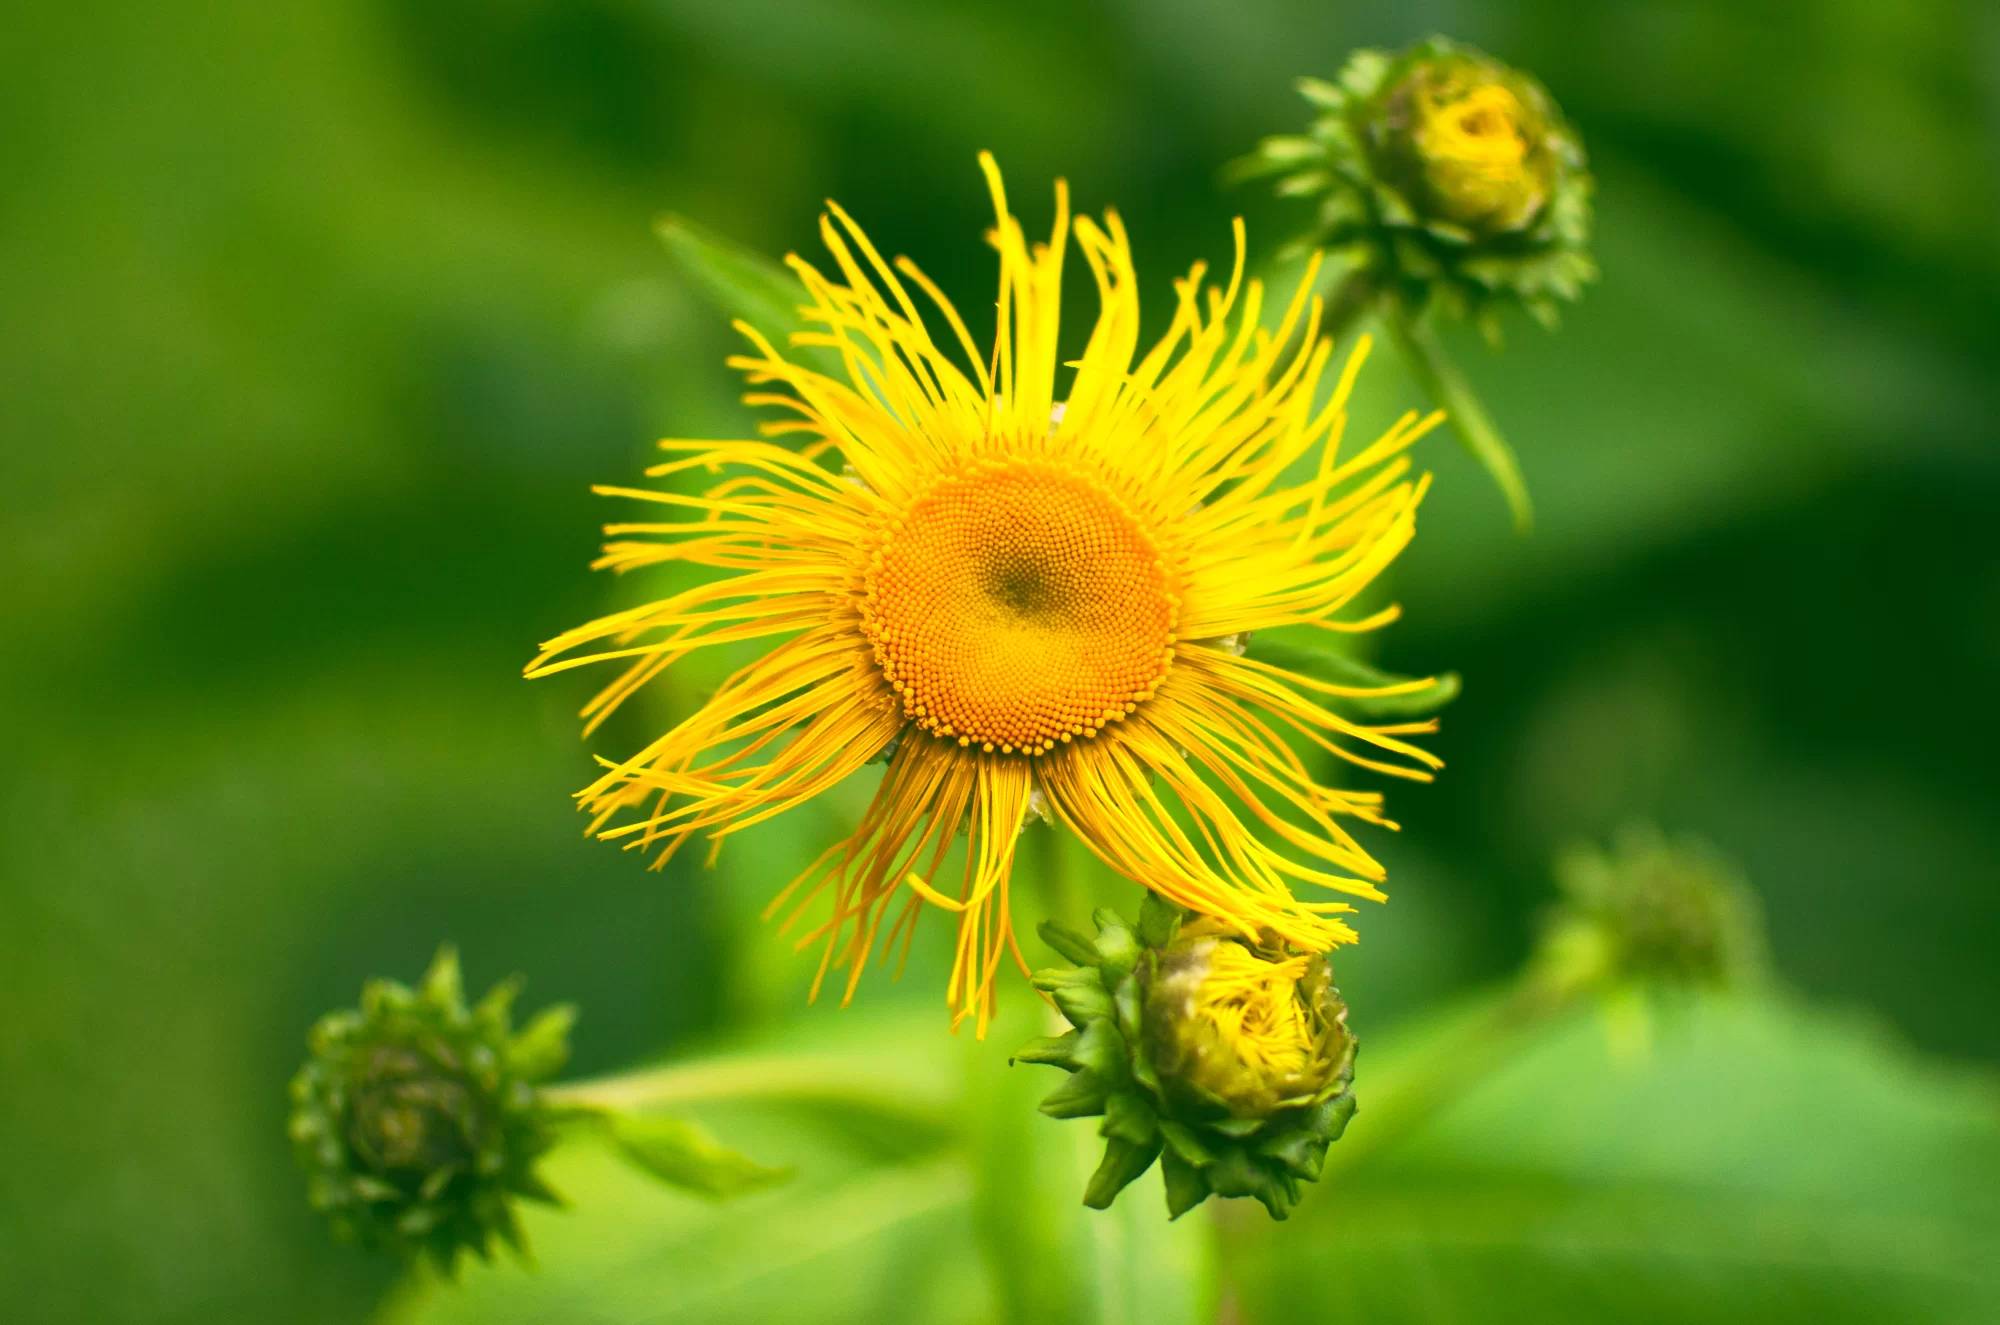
point(1018, 604)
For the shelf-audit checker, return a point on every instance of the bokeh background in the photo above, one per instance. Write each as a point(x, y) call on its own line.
point(318, 318)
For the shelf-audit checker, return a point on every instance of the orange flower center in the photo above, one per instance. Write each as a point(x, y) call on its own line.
point(1017, 605)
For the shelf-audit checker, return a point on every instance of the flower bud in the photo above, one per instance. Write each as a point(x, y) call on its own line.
point(1469, 139)
point(1447, 177)
point(416, 1118)
point(1226, 1057)
point(1650, 913)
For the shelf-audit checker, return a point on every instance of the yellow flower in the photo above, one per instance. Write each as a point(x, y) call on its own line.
point(1032, 603)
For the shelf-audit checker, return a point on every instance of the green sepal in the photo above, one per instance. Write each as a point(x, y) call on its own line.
point(1235, 1173)
point(1299, 1151)
point(1130, 1118)
point(1068, 942)
point(1183, 1142)
point(1123, 1162)
point(1082, 1096)
point(1101, 1049)
point(1117, 946)
point(1159, 920)
point(1237, 1128)
point(1057, 1050)
point(1322, 93)
point(1187, 1186)
point(1329, 1118)
point(1083, 1001)
point(542, 1047)
point(444, 986)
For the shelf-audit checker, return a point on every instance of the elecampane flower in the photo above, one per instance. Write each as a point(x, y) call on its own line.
point(1028, 604)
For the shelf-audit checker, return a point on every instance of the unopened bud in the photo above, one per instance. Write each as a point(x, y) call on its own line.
point(417, 1120)
point(1228, 1058)
point(1650, 913)
point(1447, 177)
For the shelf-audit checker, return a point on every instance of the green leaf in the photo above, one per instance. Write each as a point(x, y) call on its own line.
point(1764, 1164)
point(1338, 669)
point(845, 1243)
point(744, 284)
point(683, 1154)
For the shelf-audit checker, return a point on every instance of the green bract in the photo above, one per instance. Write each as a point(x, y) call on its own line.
point(416, 1118)
point(1445, 177)
point(1172, 1083)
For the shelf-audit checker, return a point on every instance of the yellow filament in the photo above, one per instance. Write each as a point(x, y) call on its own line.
point(1480, 130)
point(1254, 1006)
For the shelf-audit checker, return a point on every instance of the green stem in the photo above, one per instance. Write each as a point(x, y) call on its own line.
point(1350, 292)
point(823, 1079)
point(1413, 1091)
point(1440, 377)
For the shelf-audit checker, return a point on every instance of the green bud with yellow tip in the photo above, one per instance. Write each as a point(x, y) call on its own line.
point(1444, 177)
point(1226, 1058)
point(1448, 186)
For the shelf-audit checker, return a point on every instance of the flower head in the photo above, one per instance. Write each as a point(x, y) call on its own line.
point(1020, 597)
point(1227, 1058)
point(1447, 177)
point(416, 1119)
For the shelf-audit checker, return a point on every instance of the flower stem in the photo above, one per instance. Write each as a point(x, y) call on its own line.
point(817, 1078)
point(1440, 377)
point(1350, 291)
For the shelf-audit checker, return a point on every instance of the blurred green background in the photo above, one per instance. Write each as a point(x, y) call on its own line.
point(318, 318)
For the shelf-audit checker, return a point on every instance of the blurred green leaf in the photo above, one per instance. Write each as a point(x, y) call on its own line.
point(1339, 669)
point(684, 1155)
point(881, 1243)
point(864, 1231)
point(1762, 1164)
point(744, 284)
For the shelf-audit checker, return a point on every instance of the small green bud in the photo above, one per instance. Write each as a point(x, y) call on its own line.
point(1446, 178)
point(417, 1120)
point(1226, 1058)
point(1653, 914)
